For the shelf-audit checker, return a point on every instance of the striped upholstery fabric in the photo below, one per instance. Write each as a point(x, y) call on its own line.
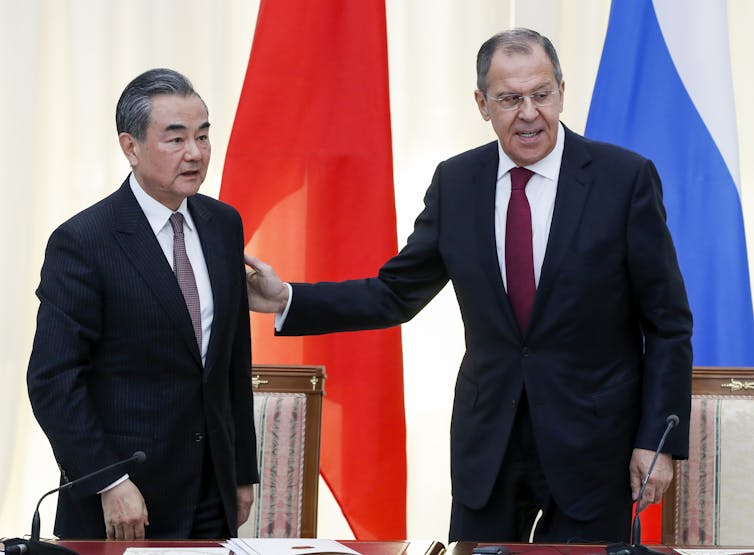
point(714, 488)
point(280, 424)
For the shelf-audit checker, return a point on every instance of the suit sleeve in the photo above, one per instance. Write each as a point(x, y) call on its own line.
point(247, 469)
point(403, 286)
point(69, 324)
point(659, 291)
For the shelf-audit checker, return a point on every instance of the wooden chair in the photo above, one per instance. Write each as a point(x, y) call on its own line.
point(287, 416)
point(712, 496)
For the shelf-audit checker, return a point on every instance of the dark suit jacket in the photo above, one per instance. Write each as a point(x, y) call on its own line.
point(115, 366)
point(607, 353)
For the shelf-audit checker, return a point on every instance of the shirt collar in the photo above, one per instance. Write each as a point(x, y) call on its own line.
point(548, 167)
point(157, 213)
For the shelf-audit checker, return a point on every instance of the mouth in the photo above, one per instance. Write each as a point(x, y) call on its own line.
point(528, 135)
point(190, 173)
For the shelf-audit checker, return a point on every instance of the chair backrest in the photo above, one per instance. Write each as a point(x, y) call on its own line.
point(287, 417)
point(712, 496)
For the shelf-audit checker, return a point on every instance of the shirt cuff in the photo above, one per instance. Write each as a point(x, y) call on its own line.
point(115, 483)
point(281, 316)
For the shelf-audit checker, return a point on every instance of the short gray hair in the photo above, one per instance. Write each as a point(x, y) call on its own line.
point(513, 41)
point(135, 103)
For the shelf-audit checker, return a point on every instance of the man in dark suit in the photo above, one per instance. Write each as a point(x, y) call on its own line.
point(577, 322)
point(143, 341)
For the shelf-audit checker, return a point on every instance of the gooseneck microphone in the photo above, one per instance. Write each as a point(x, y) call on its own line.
point(635, 548)
point(672, 422)
point(33, 546)
point(137, 457)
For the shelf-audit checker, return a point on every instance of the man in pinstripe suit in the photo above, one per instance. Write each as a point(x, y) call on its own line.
point(121, 362)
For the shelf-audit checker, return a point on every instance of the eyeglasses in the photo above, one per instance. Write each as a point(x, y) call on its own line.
point(514, 101)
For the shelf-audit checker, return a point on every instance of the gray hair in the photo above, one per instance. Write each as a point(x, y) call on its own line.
point(135, 103)
point(513, 41)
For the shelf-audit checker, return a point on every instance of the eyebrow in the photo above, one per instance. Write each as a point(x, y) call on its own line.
point(181, 126)
point(543, 86)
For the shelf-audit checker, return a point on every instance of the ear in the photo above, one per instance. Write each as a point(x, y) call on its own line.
point(481, 102)
point(130, 147)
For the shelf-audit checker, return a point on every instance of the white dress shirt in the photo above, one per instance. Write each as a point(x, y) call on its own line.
point(158, 216)
point(540, 192)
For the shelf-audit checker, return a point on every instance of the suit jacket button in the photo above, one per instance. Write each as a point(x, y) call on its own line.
point(198, 437)
point(525, 352)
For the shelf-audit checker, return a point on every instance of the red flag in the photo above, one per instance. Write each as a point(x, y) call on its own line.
point(651, 524)
point(309, 166)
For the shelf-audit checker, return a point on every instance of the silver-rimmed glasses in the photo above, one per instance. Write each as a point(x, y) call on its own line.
point(513, 101)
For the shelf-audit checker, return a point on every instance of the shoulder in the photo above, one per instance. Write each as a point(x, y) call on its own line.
point(80, 242)
point(602, 153)
point(93, 222)
point(477, 163)
point(617, 172)
point(214, 207)
point(213, 204)
point(216, 214)
point(485, 153)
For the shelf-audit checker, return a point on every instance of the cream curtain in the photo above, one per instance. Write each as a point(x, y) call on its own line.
point(64, 64)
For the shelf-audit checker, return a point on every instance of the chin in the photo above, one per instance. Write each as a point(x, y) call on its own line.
point(190, 186)
point(527, 157)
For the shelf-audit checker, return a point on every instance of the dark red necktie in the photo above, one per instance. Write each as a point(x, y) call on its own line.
point(519, 259)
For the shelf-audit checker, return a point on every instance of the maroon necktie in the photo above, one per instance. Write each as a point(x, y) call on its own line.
point(519, 259)
point(185, 275)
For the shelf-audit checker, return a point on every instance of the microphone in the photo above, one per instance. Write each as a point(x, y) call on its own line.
point(33, 546)
point(138, 457)
point(636, 548)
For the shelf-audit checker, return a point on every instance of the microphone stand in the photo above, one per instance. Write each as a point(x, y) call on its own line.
point(635, 548)
point(34, 546)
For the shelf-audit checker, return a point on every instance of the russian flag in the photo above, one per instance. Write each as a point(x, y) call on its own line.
point(664, 89)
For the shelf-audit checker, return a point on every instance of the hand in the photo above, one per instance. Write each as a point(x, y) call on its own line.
point(244, 500)
point(125, 512)
point(267, 293)
point(658, 482)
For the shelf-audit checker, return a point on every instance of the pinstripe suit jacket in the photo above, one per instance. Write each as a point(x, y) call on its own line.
point(115, 366)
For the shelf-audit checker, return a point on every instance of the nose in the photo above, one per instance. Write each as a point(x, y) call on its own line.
point(527, 110)
point(192, 151)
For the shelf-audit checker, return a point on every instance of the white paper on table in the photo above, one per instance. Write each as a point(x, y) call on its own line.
point(286, 546)
point(712, 551)
point(176, 551)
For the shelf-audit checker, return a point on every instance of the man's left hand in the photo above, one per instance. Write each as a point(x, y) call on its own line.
point(244, 499)
point(658, 482)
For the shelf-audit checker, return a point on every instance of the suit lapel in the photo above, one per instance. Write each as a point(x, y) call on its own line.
point(218, 267)
point(484, 184)
point(574, 182)
point(135, 236)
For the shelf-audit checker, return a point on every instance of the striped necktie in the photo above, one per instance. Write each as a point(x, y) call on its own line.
point(185, 275)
